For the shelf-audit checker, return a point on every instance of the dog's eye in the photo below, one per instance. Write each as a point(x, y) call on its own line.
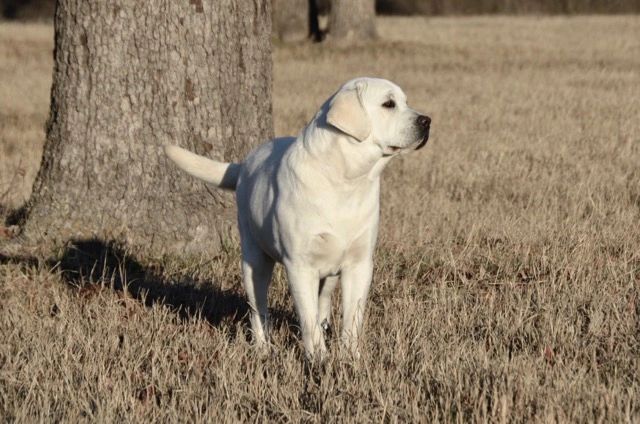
point(389, 104)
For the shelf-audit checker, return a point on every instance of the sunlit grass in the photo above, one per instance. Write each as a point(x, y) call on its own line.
point(506, 278)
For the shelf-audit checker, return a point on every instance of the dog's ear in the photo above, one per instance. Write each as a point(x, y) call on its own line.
point(347, 114)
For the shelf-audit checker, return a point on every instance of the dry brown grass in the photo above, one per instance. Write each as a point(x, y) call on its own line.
point(25, 81)
point(507, 275)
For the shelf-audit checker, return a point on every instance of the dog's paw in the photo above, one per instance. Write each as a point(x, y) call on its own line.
point(326, 329)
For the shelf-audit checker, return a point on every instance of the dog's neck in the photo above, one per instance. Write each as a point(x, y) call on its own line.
point(342, 157)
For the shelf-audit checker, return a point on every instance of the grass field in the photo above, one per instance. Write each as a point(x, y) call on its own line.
point(507, 279)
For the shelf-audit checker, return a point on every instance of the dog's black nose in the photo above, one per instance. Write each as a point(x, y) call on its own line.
point(424, 121)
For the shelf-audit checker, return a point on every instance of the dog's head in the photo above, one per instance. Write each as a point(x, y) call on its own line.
point(373, 110)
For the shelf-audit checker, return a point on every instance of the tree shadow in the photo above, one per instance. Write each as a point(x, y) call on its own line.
point(90, 264)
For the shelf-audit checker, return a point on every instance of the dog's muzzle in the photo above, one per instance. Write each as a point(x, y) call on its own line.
point(423, 124)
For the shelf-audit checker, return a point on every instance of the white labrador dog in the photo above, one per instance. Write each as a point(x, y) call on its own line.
point(312, 203)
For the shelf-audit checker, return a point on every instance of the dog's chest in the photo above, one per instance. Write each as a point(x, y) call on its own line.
point(348, 240)
point(329, 253)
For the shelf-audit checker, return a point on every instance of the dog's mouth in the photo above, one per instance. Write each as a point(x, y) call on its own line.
point(424, 139)
point(390, 150)
point(422, 142)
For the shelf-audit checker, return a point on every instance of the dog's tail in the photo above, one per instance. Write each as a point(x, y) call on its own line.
point(221, 174)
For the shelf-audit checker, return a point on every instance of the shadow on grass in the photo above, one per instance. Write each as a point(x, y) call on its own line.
point(91, 264)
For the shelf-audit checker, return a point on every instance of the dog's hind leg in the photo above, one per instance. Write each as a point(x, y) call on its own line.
point(327, 285)
point(257, 268)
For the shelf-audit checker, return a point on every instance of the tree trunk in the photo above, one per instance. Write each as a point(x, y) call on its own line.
point(128, 77)
point(291, 19)
point(352, 20)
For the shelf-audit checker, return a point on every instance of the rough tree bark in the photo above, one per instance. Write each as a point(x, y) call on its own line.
point(352, 20)
point(128, 77)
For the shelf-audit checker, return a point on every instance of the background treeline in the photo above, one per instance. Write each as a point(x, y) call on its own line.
point(43, 9)
point(27, 9)
point(476, 7)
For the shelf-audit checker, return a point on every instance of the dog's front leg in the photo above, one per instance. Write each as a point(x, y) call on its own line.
point(356, 281)
point(304, 284)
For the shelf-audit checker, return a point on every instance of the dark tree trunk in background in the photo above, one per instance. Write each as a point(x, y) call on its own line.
point(129, 76)
point(352, 20)
point(291, 19)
